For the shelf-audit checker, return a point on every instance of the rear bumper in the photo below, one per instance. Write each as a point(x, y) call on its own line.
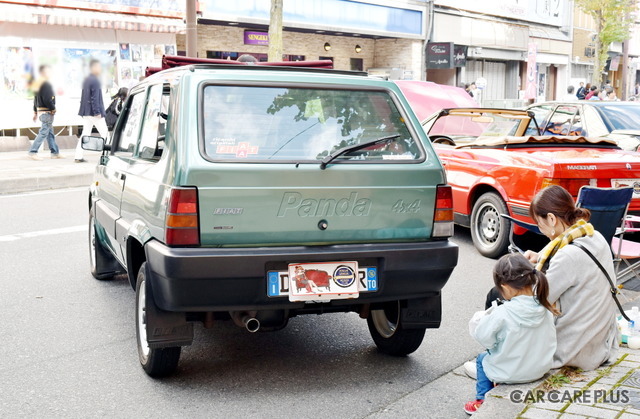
point(231, 279)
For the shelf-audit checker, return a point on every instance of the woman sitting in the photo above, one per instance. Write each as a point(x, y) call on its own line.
point(586, 329)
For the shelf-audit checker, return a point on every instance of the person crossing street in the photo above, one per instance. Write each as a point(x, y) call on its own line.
point(91, 107)
point(44, 108)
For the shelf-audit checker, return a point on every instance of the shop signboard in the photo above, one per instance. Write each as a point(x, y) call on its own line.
point(439, 55)
point(166, 8)
point(460, 55)
point(256, 38)
point(614, 63)
point(548, 12)
point(383, 18)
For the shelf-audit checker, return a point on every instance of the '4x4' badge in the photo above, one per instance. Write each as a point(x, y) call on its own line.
point(242, 150)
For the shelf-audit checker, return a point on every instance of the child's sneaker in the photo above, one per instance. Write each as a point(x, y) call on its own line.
point(472, 407)
point(471, 369)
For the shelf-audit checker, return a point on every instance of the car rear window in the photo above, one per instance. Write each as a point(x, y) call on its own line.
point(250, 123)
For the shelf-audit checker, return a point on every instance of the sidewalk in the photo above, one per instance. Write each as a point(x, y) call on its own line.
point(609, 392)
point(20, 174)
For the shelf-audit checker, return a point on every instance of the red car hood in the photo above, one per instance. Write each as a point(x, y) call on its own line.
point(427, 98)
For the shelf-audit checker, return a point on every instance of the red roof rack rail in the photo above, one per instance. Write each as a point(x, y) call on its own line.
point(172, 61)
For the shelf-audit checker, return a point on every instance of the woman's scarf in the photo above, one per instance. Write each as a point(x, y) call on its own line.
point(579, 229)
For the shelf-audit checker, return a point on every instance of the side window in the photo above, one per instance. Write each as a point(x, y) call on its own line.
point(154, 124)
point(561, 120)
point(577, 128)
point(597, 128)
point(541, 113)
point(131, 128)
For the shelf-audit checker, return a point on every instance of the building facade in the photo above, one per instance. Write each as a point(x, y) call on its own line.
point(384, 37)
point(66, 35)
point(493, 37)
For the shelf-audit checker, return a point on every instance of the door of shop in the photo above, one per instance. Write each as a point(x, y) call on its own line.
point(496, 74)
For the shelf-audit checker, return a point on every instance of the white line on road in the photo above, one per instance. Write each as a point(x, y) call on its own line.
point(51, 232)
point(47, 192)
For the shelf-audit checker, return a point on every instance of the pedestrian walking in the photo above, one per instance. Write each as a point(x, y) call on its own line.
point(519, 335)
point(582, 91)
point(570, 96)
point(593, 90)
point(91, 107)
point(44, 108)
point(115, 108)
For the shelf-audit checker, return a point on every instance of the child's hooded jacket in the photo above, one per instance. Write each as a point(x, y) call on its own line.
point(520, 337)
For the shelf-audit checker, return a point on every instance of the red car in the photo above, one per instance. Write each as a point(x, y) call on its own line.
point(496, 162)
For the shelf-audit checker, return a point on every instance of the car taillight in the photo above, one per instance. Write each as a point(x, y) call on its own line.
point(182, 228)
point(571, 185)
point(443, 213)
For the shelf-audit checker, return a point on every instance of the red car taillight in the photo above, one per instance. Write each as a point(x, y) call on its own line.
point(571, 185)
point(443, 213)
point(182, 227)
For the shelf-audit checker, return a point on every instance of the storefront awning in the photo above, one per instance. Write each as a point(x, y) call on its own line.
point(66, 17)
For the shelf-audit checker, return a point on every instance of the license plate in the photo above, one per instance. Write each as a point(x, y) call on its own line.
point(322, 281)
point(620, 183)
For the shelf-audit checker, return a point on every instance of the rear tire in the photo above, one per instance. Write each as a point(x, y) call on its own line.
point(490, 231)
point(387, 332)
point(159, 362)
point(99, 257)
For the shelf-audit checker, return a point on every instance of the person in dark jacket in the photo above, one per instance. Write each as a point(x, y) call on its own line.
point(91, 107)
point(114, 110)
point(44, 107)
point(582, 92)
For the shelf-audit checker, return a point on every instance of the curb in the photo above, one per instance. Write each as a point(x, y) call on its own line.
point(44, 182)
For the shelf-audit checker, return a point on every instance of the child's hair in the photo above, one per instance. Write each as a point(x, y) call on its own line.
point(516, 271)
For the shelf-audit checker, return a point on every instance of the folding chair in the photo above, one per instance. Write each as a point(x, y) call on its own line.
point(530, 227)
point(608, 207)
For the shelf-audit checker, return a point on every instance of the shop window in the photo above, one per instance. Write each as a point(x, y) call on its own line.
point(326, 58)
point(357, 64)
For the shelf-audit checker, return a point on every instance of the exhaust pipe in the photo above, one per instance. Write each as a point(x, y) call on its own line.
point(251, 324)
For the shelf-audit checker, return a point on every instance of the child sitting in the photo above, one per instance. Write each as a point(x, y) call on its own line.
point(519, 335)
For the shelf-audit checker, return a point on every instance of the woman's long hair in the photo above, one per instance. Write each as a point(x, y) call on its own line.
point(122, 93)
point(517, 272)
point(557, 200)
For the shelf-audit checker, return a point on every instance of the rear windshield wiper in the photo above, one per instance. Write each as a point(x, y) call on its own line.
point(331, 157)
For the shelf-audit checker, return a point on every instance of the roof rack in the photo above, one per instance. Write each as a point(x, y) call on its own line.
point(173, 61)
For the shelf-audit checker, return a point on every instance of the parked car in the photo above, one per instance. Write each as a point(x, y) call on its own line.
point(427, 98)
point(258, 193)
point(495, 167)
point(619, 121)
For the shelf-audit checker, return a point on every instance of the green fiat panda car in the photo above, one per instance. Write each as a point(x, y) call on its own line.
point(255, 194)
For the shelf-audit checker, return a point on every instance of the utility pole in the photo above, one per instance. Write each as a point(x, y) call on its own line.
point(275, 31)
point(192, 29)
point(625, 69)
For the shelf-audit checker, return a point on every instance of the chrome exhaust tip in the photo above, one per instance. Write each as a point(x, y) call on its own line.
point(251, 324)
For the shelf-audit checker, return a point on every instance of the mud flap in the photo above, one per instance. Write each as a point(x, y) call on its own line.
point(422, 313)
point(165, 328)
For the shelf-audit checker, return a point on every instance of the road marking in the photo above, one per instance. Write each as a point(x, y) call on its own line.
point(51, 232)
point(47, 192)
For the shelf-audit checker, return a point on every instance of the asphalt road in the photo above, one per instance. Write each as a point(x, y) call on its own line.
point(68, 344)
